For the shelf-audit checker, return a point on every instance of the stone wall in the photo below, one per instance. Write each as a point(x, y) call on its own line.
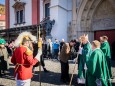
point(104, 17)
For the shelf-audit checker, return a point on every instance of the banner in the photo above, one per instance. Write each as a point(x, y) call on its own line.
point(2, 9)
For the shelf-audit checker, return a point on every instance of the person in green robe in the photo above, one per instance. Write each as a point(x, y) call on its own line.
point(105, 47)
point(84, 54)
point(96, 67)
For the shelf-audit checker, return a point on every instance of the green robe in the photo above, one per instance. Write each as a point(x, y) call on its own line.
point(83, 58)
point(106, 50)
point(96, 68)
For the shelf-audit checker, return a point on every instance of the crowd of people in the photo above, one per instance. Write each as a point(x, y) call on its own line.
point(94, 59)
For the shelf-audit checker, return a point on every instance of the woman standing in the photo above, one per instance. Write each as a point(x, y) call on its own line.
point(64, 57)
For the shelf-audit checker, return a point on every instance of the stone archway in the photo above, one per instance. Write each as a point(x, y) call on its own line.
point(85, 16)
point(104, 17)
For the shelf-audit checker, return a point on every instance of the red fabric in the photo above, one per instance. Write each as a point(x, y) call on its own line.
point(2, 18)
point(24, 71)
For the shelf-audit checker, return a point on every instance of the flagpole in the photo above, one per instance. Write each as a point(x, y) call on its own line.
point(39, 46)
point(74, 67)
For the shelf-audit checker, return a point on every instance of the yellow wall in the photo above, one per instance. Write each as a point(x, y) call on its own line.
point(2, 9)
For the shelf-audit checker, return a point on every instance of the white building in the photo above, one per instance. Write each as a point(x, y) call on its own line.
point(72, 17)
point(20, 13)
point(29, 12)
point(61, 12)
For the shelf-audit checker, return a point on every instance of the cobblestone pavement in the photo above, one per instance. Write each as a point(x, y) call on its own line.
point(51, 78)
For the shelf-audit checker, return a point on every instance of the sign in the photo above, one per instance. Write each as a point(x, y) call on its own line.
point(2, 9)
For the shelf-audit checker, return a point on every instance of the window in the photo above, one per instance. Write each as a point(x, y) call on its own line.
point(19, 17)
point(47, 10)
point(19, 10)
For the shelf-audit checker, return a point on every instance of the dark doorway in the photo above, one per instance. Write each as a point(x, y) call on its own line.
point(111, 36)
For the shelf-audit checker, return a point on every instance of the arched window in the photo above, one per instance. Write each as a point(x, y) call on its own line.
point(19, 10)
point(46, 7)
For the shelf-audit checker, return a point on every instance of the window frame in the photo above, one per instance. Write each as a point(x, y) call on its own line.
point(18, 7)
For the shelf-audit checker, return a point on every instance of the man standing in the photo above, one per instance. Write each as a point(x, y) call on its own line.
point(105, 47)
point(49, 48)
point(23, 59)
point(44, 51)
point(56, 49)
point(61, 44)
point(83, 58)
point(97, 68)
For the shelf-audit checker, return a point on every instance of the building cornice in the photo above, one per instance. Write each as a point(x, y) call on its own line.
point(60, 7)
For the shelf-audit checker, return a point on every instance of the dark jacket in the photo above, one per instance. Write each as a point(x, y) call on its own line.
point(65, 53)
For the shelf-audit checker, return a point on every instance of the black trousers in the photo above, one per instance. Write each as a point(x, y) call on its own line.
point(64, 71)
point(42, 61)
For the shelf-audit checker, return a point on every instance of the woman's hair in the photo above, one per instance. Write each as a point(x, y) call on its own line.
point(66, 48)
point(96, 43)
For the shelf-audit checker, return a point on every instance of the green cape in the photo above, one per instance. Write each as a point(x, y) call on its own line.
point(83, 59)
point(97, 69)
point(105, 47)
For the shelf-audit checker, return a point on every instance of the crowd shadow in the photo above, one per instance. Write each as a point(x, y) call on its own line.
point(51, 78)
point(9, 74)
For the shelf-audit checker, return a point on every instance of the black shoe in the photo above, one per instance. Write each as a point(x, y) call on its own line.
point(45, 70)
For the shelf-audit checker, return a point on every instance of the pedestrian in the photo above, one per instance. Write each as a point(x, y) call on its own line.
point(72, 49)
point(35, 48)
point(44, 49)
point(4, 65)
point(84, 54)
point(62, 43)
point(105, 47)
point(76, 45)
point(64, 57)
point(56, 49)
point(97, 68)
point(49, 49)
point(23, 59)
point(8, 49)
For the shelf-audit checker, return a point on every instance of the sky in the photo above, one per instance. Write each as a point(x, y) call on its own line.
point(2, 1)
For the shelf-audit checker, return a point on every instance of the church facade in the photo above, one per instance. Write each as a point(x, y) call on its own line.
point(72, 17)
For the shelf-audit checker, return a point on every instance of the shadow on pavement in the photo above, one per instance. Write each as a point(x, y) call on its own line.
point(51, 78)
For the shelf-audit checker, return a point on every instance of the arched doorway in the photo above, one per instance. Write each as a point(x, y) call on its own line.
point(103, 23)
point(96, 18)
